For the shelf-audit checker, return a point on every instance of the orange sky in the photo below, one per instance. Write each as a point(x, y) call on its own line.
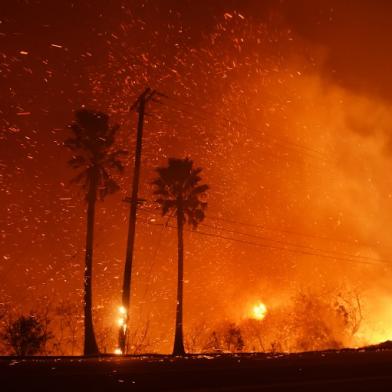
point(284, 107)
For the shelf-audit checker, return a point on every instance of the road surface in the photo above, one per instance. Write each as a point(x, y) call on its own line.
point(326, 371)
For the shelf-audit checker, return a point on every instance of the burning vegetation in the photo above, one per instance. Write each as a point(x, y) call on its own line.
point(292, 253)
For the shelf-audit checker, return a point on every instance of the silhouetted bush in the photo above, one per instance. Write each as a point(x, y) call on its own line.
point(227, 337)
point(27, 335)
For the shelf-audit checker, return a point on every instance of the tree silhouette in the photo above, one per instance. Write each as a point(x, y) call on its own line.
point(93, 144)
point(179, 191)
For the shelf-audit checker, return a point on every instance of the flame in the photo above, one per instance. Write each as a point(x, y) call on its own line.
point(302, 104)
point(122, 320)
point(122, 310)
point(118, 351)
point(259, 311)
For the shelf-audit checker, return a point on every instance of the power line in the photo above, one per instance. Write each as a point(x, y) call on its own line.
point(297, 245)
point(278, 140)
point(277, 247)
point(306, 247)
point(155, 255)
point(195, 113)
point(268, 153)
point(292, 232)
point(331, 254)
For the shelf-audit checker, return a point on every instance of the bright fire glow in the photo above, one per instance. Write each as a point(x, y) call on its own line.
point(118, 351)
point(122, 310)
point(259, 311)
point(120, 322)
point(305, 146)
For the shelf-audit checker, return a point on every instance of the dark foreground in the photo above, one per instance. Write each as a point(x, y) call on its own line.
point(328, 371)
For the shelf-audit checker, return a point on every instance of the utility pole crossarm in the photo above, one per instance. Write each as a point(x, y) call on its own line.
point(147, 96)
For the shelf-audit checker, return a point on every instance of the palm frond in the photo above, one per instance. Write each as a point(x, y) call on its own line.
point(81, 178)
point(109, 187)
point(93, 138)
point(115, 164)
point(198, 190)
point(77, 161)
point(177, 186)
point(162, 192)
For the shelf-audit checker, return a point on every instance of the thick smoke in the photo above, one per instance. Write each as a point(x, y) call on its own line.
point(299, 203)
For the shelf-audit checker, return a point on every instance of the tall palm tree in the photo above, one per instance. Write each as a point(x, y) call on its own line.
point(92, 143)
point(179, 192)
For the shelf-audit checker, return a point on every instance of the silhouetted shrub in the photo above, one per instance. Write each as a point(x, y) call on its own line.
point(27, 335)
point(227, 337)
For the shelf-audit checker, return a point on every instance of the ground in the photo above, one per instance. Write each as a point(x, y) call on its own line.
point(359, 370)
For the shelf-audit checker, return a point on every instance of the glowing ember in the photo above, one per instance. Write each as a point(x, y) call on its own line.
point(118, 351)
point(293, 140)
point(259, 311)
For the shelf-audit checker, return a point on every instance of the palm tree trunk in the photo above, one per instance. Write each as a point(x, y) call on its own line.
point(90, 344)
point(179, 338)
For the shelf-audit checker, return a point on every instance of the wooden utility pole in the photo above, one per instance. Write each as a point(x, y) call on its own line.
point(139, 106)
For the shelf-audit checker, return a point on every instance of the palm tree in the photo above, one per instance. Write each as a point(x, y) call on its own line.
point(179, 191)
point(92, 143)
